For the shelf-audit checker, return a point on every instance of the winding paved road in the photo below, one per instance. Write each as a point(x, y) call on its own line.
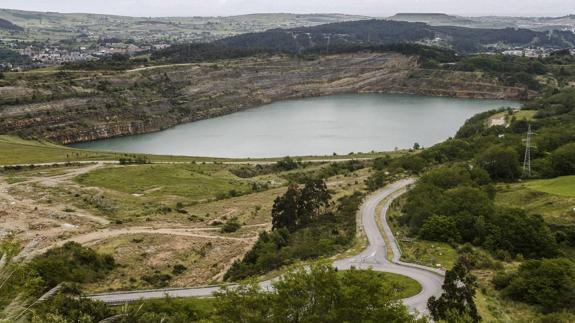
point(374, 256)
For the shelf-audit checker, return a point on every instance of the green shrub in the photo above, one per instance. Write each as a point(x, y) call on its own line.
point(72, 263)
point(549, 283)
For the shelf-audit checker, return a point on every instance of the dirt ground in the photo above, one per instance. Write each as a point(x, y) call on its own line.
point(43, 208)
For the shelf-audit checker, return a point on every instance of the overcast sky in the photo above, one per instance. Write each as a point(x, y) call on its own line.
point(236, 7)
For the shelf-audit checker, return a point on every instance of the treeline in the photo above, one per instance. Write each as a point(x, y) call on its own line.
point(305, 226)
point(201, 52)
point(8, 56)
point(316, 294)
point(115, 62)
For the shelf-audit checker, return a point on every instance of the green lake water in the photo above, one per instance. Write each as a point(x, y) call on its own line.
point(313, 126)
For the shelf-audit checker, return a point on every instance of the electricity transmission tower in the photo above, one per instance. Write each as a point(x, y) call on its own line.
point(527, 158)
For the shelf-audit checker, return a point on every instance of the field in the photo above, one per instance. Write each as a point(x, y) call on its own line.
point(156, 261)
point(14, 150)
point(553, 199)
point(504, 118)
point(162, 221)
point(562, 186)
point(196, 182)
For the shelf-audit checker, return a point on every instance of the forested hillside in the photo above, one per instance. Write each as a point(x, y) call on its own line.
point(377, 32)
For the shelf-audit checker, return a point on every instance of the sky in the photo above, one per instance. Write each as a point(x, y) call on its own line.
point(379, 8)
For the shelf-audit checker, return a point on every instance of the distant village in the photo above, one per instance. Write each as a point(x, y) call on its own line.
point(54, 55)
point(532, 52)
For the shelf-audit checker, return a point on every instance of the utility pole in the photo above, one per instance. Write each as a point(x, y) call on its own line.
point(527, 158)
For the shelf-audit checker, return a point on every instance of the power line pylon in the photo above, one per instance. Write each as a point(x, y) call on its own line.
point(527, 158)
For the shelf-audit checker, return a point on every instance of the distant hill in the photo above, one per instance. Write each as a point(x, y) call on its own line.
point(56, 26)
point(498, 22)
point(432, 18)
point(376, 35)
point(381, 32)
point(7, 25)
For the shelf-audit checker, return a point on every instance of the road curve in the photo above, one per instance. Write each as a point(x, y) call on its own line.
point(374, 257)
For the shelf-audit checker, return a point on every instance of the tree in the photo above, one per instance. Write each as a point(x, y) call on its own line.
point(245, 303)
point(318, 293)
point(287, 164)
point(416, 146)
point(298, 207)
point(313, 198)
point(284, 211)
point(502, 163)
point(563, 160)
point(516, 231)
point(440, 228)
point(457, 299)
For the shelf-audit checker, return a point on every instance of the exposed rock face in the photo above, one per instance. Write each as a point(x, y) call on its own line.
point(103, 106)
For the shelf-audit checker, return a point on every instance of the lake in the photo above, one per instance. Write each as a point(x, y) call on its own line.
point(312, 126)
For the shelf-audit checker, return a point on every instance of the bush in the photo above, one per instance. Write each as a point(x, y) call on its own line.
point(231, 225)
point(549, 283)
point(72, 263)
point(440, 228)
point(316, 293)
point(563, 160)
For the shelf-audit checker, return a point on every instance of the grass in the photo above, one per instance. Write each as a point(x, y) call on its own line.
point(14, 150)
point(556, 208)
point(562, 186)
point(428, 253)
point(402, 286)
point(141, 255)
point(527, 115)
point(197, 182)
point(18, 151)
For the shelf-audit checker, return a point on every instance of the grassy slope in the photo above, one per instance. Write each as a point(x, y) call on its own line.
point(554, 198)
point(14, 150)
point(563, 186)
point(197, 182)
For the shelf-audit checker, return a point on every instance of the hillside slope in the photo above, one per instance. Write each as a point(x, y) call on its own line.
point(381, 32)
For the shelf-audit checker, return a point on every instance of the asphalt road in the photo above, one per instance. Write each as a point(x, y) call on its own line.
point(374, 257)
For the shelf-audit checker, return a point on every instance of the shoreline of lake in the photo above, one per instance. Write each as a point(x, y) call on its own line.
point(338, 124)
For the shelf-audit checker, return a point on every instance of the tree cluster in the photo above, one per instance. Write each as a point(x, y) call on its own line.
point(455, 204)
point(319, 235)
